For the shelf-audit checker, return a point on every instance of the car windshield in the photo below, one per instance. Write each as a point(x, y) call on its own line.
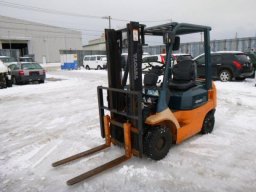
point(8, 59)
point(150, 59)
point(242, 57)
point(31, 66)
point(185, 57)
point(103, 58)
point(26, 59)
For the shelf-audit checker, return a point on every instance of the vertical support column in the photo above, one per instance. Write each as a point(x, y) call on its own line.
point(135, 65)
point(135, 56)
point(101, 111)
point(127, 139)
point(113, 39)
point(208, 64)
point(107, 130)
point(135, 36)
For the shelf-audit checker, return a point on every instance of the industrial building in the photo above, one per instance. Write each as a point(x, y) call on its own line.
point(42, 41)
point(96, 44)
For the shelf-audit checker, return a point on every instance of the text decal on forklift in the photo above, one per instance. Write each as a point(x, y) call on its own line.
point(135, 62)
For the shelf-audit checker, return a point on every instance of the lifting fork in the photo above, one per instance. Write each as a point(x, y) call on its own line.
point(106, 166)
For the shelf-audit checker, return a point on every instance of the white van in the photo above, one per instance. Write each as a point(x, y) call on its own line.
point(95, 62)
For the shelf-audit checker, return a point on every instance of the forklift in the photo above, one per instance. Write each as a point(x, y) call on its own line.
point(144, 116)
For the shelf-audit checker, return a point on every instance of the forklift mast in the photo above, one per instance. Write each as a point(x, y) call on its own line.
point(124, 96)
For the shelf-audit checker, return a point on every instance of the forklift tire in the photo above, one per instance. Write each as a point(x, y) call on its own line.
point(157, 142)
point(208, 123)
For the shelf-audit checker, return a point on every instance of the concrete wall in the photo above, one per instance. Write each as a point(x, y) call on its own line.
point(43, 40)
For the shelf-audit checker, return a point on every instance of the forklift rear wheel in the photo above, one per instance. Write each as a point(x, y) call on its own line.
point(157, 142)
point(208, 123)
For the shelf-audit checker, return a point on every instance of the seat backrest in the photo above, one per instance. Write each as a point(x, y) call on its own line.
point(185, 70)
point(150, 79)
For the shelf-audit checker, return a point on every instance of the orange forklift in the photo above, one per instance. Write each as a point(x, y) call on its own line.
point(142, 115)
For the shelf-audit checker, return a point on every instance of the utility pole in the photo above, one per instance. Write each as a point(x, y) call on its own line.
point(236, 41)
point(109, 21)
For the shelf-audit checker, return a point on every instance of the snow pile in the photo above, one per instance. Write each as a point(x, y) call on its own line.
point(42, 123)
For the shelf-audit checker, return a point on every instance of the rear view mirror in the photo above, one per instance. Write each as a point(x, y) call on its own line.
point(170, 38)
point(176, 44)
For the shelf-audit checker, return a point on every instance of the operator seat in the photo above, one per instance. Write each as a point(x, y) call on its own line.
point(184, 75)
point(151, 77)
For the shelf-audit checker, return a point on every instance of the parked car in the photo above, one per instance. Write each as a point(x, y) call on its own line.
point(27, 72)
point(160, 58)
point(5, 76)
point(150, 60)
point(124, 58)
point(95, 62)
point(8, 60)
point(176, 57)
point(26, 59)
point(252, 56)
point(226, 65)
point(255, 77)
point(181, 57)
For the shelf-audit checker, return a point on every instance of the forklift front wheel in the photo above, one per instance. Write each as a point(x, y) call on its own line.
point(208, 123)
point(157, 142)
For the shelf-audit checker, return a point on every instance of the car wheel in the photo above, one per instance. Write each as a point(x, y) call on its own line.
point(208, 123)
point(41, 81)
point(157, 142)
point(225, 75)
point(98, 67)
point(14, 81)
point(87, 67)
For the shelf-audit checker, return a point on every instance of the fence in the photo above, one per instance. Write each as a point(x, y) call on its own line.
point(196, 48)
point(193, 48)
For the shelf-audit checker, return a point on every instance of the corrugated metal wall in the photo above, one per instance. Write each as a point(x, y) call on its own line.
point(196, 48)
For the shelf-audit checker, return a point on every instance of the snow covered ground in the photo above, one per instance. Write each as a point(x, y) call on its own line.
point(42, 123)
